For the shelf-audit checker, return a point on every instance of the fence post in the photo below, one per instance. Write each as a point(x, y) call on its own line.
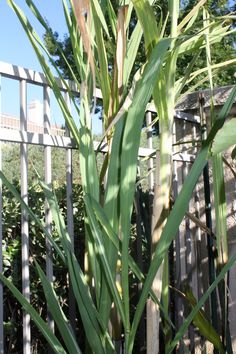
point(198, 272)
point(24, 219)
point(208, 215)
point(48, 181)
point(70, 220)
point(1, 260)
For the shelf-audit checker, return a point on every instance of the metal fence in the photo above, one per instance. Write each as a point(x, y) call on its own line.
point(23, 135)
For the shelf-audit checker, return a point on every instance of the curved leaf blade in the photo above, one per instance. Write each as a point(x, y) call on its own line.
point(40, 323)
point(225, 138)
point(57, 313)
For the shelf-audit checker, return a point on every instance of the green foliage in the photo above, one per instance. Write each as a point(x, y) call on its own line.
point(201, 321)
point(11, 162)
point(104, 283)
point(12, 256)
point(225, 50)
point(220, 52)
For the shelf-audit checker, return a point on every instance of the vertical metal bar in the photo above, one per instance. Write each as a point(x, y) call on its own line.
point(24, 219)
point(1, 260)
point(48, 181)
point(198, 265)
point(70, 220)
point(69, 201)
point(188, 239)
point(187, 224)
point(208, 210)
point(183, 254)
point(196, 195)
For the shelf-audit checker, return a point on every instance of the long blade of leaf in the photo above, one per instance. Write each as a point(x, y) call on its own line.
point(103, 63)
point(98, 239)
point(177, 213)
point(102, 218)
point(219, 198)
point(130, 147)
point(148, 22)
point(201, 302)
point(225, 137)
point(96, 333)
point(39, 17)
point(75, 40)
point(57, 313)
point(190, 15)
point(42, 326)
point(41, 225)
point(132, 49)
point(89, 314)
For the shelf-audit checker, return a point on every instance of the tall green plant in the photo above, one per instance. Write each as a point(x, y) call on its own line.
point(219, 197)
point(108, 242)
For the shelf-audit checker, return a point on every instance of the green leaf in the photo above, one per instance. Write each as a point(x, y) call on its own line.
point(130, 145)
point(225, 138)
point(57, 217)
point(42, 21)
point(102, 218)
point(90, 181)
point(104, 79)
point(98, 240)
point(111, 209)
point(14, 192)
point(100, 15)
point(75, 39)
point(177, 215)
point(40, 323)
point(112, 17)
point(200, 320)
point(148, 22)
point(96, 333)
point(57, 314)
point(190, 16)
point(201, 302)
point(233, 154)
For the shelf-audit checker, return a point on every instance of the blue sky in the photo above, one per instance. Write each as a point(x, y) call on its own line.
point(16, 49)
point(14, 46)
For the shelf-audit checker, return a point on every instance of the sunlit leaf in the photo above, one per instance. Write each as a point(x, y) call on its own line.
point(225, 138)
